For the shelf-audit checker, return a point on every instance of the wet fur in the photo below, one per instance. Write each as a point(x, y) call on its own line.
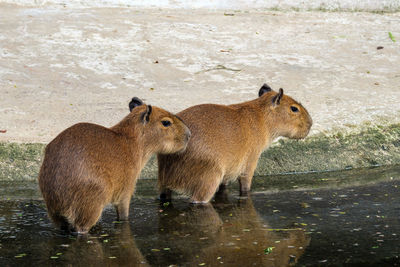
point(88, 166)
point(226, 143)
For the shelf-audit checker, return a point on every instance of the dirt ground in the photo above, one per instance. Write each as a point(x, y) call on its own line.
point(60, 66)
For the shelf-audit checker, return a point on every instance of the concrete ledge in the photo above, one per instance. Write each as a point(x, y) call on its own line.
point(319, 5)
point(366, 147)
point(371, 146)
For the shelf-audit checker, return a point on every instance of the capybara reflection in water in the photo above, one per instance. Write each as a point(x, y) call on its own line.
point(226, 143)
point(88, 166)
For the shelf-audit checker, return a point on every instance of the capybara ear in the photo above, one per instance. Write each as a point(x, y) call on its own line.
point(265, 88)
point(145, 116)
point(134, 103)
point(276, 100)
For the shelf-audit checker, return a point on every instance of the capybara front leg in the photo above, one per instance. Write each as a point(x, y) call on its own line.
point(247, 176)
point(123, 209)
point(245, 184)
point(222, 188)
point(222, 194)
point(165, 195)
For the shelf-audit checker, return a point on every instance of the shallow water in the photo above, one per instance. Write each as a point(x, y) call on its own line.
point(346, 218)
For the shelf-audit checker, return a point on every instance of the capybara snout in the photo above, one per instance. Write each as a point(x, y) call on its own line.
point(170, 130)
point(291, 118)
point(176, 135)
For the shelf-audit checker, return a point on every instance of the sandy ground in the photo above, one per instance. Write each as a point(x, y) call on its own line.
point(60, 66)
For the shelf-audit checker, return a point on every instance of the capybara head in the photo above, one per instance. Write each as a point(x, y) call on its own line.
point(291, 118)
point(161, 127)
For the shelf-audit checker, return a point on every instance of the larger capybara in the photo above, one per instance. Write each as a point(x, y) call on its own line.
point(88, 166)
point(227, 141)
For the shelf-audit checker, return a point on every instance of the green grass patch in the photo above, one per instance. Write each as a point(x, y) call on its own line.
point(372, 146)
point(20, 161)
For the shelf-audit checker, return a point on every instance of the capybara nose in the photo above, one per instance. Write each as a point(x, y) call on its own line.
point(188, 134)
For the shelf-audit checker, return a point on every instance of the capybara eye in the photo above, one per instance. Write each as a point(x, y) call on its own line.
point(294, 109)
point(166, 123)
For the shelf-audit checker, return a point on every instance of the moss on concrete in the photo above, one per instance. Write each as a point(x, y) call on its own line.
point(371, 146)
point(20, 161)
point(366, 147)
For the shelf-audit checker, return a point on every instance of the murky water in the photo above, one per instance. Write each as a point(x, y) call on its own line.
point(346, 218)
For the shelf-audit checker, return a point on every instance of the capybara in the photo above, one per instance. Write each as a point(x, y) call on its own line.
point(226, 143)
point(88, 166)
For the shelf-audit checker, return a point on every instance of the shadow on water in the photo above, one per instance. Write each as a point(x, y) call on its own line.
point(347, 218)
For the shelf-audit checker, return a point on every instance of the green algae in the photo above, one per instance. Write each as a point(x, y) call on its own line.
point(372, 146)
point(369, 146)
point(20, 161)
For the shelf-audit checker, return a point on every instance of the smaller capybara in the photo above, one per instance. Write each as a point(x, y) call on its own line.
point(226, 143)
point(88, 166)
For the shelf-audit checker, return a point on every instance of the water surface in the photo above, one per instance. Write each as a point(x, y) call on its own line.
point(331, 219)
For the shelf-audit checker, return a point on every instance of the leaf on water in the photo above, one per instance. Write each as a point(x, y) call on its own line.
point(112, 257)
point(268, 250)
point(166, 248)
point(103, 235)
point(283, 229)
point(246, 230)
point(166, 204)
point(375, 247)
point(105, 241)
point(391, 37)
point(53, 257)
point(305, 205)
point(20, 255)
point(202, 264)
point(59, 254)
point(155, 249)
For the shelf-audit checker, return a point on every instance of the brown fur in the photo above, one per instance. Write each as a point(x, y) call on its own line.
point(88, 166)
point(227, 141)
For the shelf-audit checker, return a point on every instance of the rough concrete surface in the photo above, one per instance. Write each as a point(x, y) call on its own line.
point(330, 5)
point(60, 66)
